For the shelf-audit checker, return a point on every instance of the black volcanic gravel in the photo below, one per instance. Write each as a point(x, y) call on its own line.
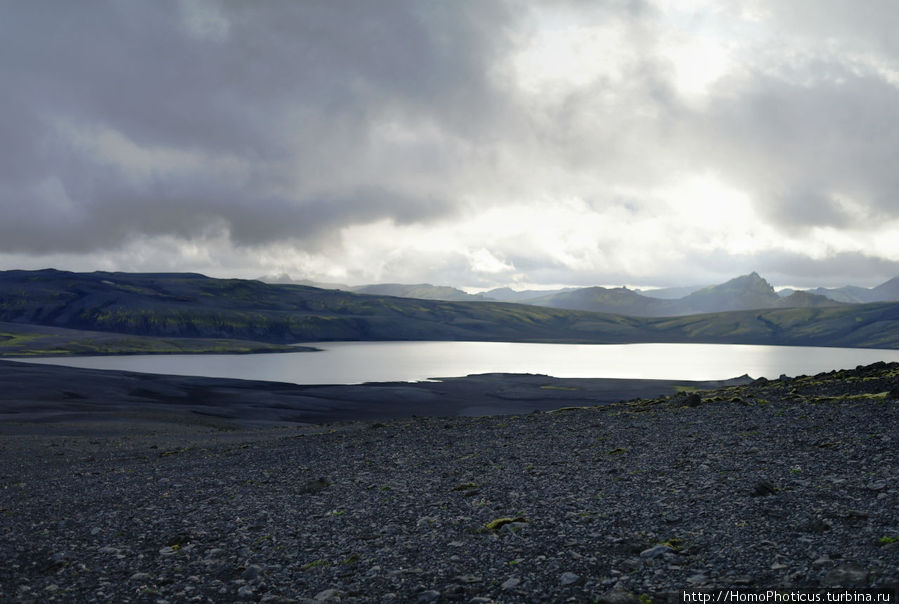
point(787, 483)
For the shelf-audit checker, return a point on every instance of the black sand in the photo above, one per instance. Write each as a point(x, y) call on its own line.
point(34, 392)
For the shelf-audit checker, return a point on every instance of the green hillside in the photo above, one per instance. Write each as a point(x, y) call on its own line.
point(194, 306)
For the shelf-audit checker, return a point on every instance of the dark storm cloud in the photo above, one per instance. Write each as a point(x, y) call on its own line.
point(123, 118)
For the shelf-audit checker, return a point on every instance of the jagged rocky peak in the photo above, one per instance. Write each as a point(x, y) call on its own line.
point(753, 281)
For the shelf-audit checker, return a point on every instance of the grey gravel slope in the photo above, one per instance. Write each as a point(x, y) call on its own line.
point(788, 483)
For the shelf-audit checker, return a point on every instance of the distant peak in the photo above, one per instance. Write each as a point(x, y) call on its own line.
point(752, 277)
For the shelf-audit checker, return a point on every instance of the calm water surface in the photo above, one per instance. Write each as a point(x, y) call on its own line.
point(357, 362)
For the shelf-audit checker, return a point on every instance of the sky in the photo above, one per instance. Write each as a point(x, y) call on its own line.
point(474, 143)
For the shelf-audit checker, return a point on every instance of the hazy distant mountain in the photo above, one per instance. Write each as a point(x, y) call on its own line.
point(286, 279)
point(618, 300)
point(887, 292)
point(803, 299)
point(746, 292)
point(743, 293)
point(669, 293)
point(851, 294)
point(507, 294)
point(422, 291)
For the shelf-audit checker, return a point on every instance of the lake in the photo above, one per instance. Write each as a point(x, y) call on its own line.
point(357, 362)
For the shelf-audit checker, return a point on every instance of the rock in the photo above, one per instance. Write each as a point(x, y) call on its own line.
point(315, 486)
point(816, 525)
point(467, 579)
point(697, 579)
point(763, 488)
point(327, 595)
point(655, 552)
point(846, 576)
point(246, 591)
point(428, 596)
point(617, 596)
point(139, 577)
point(693, 400)
point(569, 578)
point(511, 583)
point(251, 573)
point(277, 599)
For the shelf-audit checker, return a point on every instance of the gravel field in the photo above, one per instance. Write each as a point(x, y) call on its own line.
point(787, 483)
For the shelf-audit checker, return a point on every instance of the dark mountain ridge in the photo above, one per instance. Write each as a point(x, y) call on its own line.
point(191, 305)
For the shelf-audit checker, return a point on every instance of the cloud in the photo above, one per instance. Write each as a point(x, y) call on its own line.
point(279, 121)
point(471, 143)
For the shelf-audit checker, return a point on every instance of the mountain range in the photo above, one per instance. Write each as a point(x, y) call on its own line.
point(186, 305)
point(741, 293)
point(852, 294)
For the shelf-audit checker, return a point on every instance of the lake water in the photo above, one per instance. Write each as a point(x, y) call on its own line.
point(357, 362)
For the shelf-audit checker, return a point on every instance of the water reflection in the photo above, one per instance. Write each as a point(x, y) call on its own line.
point(356, 362)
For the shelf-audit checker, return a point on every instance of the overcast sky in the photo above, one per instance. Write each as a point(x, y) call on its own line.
point(473, 143)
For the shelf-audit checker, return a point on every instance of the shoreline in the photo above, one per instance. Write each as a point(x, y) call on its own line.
point(33, 392)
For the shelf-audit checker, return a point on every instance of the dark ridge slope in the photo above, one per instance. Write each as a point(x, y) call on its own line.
point(184, 305)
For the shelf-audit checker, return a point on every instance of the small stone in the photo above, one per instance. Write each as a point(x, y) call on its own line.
point(251, 573)
point(618, 596)
point(246, 591)
point(327, 595)
point(763, 488)
point(697, 579)
point(816, 525)
point(467, 579)
point(168, 551)
point(315, 486)
point(140, 577)
point(656, 551)
point(846, 576)
point(511, 583)
point(428, 596)
point(480, 600)
point(569, 578)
